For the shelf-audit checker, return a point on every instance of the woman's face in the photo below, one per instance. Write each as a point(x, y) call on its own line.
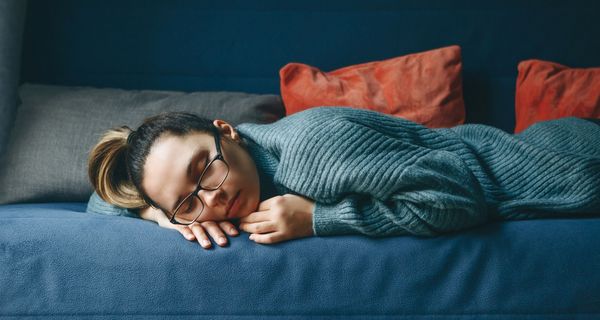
point(167, 180)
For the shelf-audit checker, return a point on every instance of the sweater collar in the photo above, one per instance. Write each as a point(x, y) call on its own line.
point(266, 165)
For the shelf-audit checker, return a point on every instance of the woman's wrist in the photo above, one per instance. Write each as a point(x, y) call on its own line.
point(147, 213)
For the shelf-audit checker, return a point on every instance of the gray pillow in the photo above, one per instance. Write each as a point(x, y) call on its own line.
point(56, 127)
point(12, 17)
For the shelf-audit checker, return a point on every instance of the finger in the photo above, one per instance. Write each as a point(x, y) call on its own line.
point(146, 213)
point(201, 236)
point(267, 238)
point(229, 228)
point(259, 227)
point(266, 204)
point(258, 216)
point(215, 232)
point(164, 222)
point(186, 232)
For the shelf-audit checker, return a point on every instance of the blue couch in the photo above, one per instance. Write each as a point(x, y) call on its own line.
point(57, 261)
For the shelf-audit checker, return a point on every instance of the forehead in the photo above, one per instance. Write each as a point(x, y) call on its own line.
point(166, 164)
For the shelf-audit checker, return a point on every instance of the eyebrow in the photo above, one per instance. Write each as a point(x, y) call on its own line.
point(188, 172)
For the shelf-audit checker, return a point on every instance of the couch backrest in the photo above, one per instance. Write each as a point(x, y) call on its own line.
point(240, 45)
point(12, 16)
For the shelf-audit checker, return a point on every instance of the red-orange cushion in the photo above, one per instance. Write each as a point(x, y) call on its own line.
point(423, 87)
point(548, 90)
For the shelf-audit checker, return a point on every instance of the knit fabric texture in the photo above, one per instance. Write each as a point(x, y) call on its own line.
point(379, 175)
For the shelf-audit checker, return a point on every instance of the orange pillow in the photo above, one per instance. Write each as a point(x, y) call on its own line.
point(423, 87)
point(548, 90)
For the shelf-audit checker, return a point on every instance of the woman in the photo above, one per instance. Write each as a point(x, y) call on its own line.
point(340, 170)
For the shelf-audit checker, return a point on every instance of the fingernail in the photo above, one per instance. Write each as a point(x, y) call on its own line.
point(221, 240)
point(251, 237)
point(234, 231)
point(188, 236)
point(205, 242)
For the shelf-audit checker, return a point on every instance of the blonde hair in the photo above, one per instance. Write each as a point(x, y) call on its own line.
point(108, 172)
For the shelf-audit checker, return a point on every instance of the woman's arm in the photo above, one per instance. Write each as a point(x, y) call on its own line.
point(279, 219)
point(443, 196)
point(197, 231)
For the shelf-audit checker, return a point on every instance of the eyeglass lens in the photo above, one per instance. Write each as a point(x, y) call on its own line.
point(192, 206)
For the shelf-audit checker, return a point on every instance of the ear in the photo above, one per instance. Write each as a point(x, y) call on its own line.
point(227, 129)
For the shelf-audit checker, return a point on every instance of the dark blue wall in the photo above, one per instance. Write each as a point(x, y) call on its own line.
point(241, 45)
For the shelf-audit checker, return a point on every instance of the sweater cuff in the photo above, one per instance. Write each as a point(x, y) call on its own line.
point(329, 220)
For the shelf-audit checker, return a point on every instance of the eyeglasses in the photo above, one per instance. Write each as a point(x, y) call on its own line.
point(191, 207)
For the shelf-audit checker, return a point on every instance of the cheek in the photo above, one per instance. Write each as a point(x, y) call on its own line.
point(248, 181)
point(243, 175)
point(239, 169)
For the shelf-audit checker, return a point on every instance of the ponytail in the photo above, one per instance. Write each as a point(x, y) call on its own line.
point(108, 173)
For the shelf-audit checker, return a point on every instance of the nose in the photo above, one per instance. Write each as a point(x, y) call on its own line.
point(212, 198)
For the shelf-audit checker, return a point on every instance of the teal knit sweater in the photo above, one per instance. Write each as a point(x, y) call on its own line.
point(380, 175)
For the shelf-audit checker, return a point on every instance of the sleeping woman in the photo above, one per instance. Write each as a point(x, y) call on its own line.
point(340, 170)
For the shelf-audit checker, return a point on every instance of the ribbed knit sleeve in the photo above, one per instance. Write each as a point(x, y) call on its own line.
point(370, 173)
point(380, 175)
point(440, 195)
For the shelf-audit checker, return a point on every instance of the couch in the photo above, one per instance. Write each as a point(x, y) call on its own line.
point(107, 62)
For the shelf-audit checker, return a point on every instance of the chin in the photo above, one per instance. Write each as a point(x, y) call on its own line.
point(245, 213)
point(252, 204)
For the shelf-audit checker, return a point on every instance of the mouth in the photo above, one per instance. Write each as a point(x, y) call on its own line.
point(231, 203)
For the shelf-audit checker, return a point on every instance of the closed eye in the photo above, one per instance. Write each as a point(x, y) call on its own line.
point(189, 207)
point(193, 172)
point(202, 167)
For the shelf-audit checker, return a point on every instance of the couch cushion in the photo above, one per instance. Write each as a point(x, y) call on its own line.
point(12, 16)
point(548, 90)
point(424, 87)
point(56, 127)
point(58, 262)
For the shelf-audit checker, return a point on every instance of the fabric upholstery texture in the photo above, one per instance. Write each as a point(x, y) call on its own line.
point(12, 17)
point(56, 127)
point(424, 87)
point(548, 90)
point(61, 263)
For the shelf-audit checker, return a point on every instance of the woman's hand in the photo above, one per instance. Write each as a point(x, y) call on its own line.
point(195, 231)
point(279, 219)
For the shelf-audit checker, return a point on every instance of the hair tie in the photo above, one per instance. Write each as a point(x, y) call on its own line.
point(131, 136)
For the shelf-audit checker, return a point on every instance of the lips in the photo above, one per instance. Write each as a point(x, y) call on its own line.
point(231, 203)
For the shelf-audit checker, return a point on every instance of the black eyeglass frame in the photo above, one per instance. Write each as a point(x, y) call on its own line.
point(218, 156)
